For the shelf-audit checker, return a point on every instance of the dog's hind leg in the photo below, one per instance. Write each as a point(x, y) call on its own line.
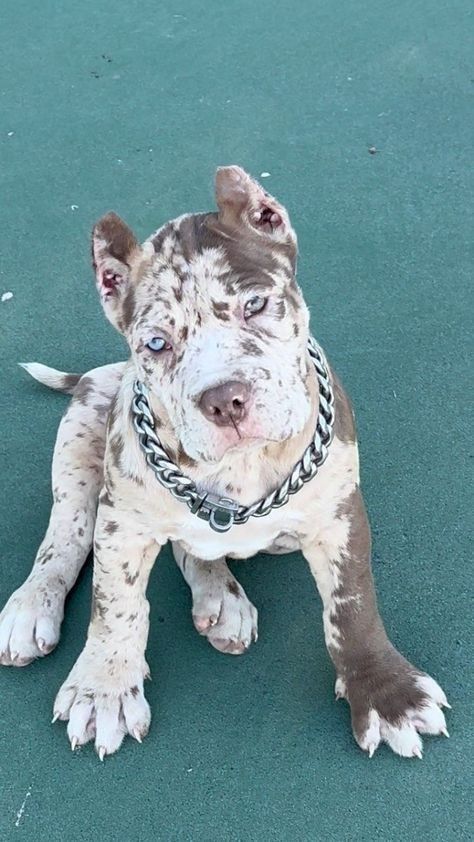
point(31, 620)
point(222, 611)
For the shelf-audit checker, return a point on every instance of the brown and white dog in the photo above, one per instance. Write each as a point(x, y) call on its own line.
point(218, 332)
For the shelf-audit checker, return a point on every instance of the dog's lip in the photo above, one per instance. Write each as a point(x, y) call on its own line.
point(246, 442)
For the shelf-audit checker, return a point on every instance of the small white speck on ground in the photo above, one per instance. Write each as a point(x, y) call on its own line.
point(19, 815)
point(265, 174)
point(349, 78)
point(394, 393)
point(189, 770)
point(74, 207)
point(7, 296)
point(10, 134)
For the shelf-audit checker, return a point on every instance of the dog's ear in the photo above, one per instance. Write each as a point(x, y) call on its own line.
point(114, 251)
point(242, 201)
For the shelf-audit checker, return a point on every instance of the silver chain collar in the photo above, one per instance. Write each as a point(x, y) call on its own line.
point(222, 512)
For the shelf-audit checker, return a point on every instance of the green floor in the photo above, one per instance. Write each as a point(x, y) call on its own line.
point(130, 104)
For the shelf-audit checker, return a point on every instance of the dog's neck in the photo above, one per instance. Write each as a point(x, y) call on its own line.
point(244, 474)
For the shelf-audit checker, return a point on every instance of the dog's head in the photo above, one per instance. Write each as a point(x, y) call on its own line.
point(215, 321)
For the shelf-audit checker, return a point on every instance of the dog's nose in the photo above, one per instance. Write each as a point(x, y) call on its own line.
point(225, 405)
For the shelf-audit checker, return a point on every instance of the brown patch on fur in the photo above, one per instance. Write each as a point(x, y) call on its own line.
point(221, 310)
point(233, 588)
point(280, 310)
point(121, 241)
point(98, 609)
point(128, 307)
point(116, 446)
point(45, 555)
point(344, 424)
point(105, 500)
point(183, 459)
point(69, 383)
point(375, 674)
point(161, 236)
point(84, 389)
point(250, 347)
point(111, 527)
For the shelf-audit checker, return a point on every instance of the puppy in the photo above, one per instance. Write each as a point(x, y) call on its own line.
point(226, 433)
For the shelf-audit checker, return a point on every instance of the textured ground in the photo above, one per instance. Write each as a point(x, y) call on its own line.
point(131, 104)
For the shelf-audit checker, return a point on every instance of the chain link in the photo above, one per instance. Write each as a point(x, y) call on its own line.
point(208, 506)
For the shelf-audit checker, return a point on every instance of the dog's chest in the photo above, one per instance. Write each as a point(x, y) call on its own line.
point(241, 541)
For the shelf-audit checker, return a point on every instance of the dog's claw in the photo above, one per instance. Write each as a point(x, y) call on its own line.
point(445, 732)
point(55, 717)
point(41, 644)
point(74, 742)
point(101, 753)
point(417, 752)
point(372, 746)
point(137, 735)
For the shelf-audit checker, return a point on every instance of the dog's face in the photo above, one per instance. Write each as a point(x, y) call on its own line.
point(215, 321)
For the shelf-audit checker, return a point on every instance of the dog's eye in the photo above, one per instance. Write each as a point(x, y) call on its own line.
point(158, 344)
point(254, 305)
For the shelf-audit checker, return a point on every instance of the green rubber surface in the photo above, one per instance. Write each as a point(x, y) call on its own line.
point(130, 105)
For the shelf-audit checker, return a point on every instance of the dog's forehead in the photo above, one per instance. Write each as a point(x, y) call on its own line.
point(194, 255)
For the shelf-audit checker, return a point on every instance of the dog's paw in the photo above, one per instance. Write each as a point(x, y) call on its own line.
point(225, 615)
point(103, 700)
point(394, 703)
point(31, 620)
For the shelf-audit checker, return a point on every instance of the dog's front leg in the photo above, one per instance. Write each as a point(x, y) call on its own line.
point(222, 611)
point(390, 699)
point(103, 696)
point(31, 620)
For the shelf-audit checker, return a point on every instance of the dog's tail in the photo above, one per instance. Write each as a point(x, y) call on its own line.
point(53, 378)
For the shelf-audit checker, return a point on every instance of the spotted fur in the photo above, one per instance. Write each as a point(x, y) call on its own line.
point(189, 283)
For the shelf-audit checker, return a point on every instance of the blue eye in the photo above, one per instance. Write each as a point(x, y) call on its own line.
point(156, 344)
point(254, 305)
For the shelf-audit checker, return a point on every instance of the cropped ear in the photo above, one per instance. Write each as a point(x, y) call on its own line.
point(242, 201)
point(114, 251)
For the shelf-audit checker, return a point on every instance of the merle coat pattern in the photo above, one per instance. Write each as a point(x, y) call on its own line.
point(217, 330)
